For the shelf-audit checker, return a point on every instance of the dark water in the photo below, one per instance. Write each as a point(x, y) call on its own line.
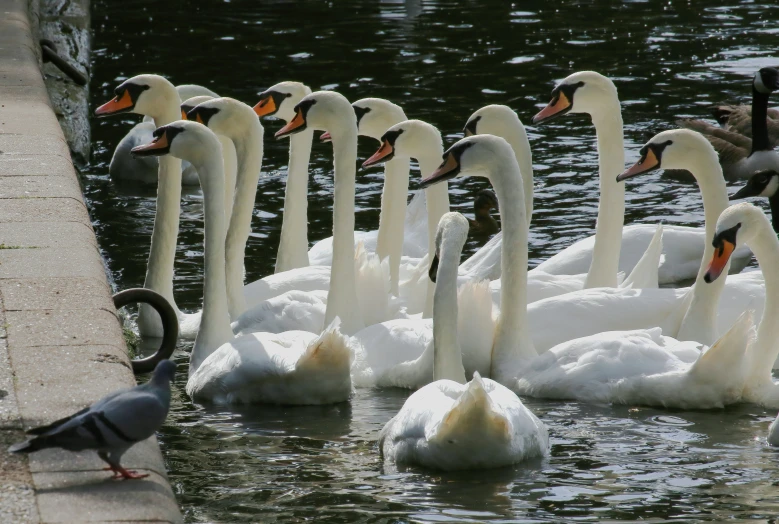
point(441, 60)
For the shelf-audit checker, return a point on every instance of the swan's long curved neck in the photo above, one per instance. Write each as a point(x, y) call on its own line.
point(215, 322)
point(519, 142)
point(249, 150)
point(766, 249)
point(342, 297)
point(760, 140)
point(437, 202)
point(699, 323)
point(447, 356)
point(392, 218)
point(611, 208)
point(512, 344)
point(164, 237)
point(293, 244)
point(231, 170)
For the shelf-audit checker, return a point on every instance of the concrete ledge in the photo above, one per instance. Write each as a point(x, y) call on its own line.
point(61, 342)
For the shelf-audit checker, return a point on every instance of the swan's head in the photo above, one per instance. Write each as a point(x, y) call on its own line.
point(408, 139)
point(737, 225)
point(226, 116)
point(324, 111)
point(190, 103)
point(762, 183)
point(280, 100)
point(498, 120)
point(184, 139)
point(478, 155)
point(766, 80)
point(672, 149)
point(187, 91)
point(450, 238)
point(143, 95)
point(376, 115)
point(583, 92)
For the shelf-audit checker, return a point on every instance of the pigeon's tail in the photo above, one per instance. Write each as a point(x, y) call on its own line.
point(28, 446)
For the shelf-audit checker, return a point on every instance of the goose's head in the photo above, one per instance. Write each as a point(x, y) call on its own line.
point(484, 202)
point(493, 119)
point(737, 225)
point(143, 95)
point(762, 183)
point(583, 92)
point(409, 139)
point(766, 80)
point(184, 139)
point(450, 238)
point(479, 155)
point(190, 103)
point(280, 100)
point(226, 116)
point(672, 149)
point(324, 111)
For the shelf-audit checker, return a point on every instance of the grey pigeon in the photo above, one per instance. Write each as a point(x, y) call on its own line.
point(111, 425)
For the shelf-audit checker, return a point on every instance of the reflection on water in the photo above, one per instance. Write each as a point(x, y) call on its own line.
point(440, 60)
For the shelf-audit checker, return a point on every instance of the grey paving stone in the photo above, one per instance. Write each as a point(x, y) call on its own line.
point(36, 165)
point(43, 210)
point(76, 262)
point(55, 293)
point(92, 497)
point(46, 234)
point(62, 327)
point(39, 187)
point(46, 389)
point(19, 144)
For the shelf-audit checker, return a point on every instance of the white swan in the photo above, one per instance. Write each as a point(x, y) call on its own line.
point(228, 152)
point(289, 368)
point(686, 314)
point(399, 353)
point(592, 93)
point(500, 120)
point(449, 424)
point(124, 168)
point(320, 110)
point(597, 368)
point(279, 101)
point(154, 96)
point(374, 116)
point(238, 122)
point(747, 224)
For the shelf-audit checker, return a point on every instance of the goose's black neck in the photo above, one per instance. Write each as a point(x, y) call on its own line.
point(773, 201)
point(759, 121)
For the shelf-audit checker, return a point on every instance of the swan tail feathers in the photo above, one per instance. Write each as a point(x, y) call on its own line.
point(645, 272)
point(726, 356)
point(473, 409)
point(330, 350)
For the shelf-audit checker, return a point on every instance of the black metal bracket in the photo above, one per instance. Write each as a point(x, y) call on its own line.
point(170, 324)
point(49, 51)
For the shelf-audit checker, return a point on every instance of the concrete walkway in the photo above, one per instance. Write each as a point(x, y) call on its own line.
point(61, 345)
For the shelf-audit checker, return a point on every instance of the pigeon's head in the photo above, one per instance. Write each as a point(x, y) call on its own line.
point(165, 371)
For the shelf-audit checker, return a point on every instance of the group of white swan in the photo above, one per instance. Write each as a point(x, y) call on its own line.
point(395, 308)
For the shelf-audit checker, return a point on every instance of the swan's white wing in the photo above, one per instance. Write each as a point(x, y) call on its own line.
point(311, 278)
point(645, 273)
point(293, 310)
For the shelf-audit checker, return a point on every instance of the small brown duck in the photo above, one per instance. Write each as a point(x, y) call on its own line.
point(483, 223)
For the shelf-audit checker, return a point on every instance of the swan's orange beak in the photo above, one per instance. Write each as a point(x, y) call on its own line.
point(183, 115)
point(448, 169)
point(384, 153)
point(265, 107)
point(556, 107)
point(199, 119)
point(116, 105)
point(648, 162)
point(296, 124)
point(325, 137)
point(719, 261)
point(158, 146)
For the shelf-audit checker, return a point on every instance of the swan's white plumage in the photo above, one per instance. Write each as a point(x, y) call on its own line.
point(451, 426)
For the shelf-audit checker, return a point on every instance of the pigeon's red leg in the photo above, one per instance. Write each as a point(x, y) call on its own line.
point(127, 474)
